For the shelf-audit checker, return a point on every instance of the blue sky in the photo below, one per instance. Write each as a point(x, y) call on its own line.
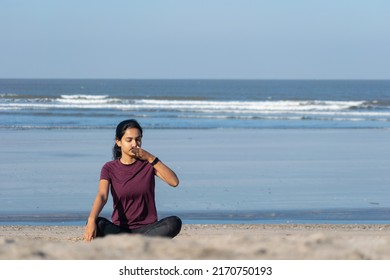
point(211, 39)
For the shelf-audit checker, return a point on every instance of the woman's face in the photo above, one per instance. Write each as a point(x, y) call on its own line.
point(131, 139)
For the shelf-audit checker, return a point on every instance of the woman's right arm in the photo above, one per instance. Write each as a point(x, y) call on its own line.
point(100, 201)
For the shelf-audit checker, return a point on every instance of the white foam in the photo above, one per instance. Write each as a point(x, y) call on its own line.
point(86, 99)
point(216, 109)
point(248, 106)
point(83, 96)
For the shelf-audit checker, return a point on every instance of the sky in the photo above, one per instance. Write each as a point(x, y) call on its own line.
point(195, 39)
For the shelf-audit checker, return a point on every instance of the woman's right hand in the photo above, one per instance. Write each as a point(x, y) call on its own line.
point(90, 231)
point(100, 201)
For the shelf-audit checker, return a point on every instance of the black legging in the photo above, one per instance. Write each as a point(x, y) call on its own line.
point(167, 227)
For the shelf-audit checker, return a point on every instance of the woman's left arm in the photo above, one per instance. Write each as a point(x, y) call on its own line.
point(165, 173)
point(162, 171)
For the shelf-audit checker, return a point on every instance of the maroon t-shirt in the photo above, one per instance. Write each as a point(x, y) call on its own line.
point(132, 188)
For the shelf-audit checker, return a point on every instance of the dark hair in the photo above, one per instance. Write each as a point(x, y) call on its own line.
point(120, 131)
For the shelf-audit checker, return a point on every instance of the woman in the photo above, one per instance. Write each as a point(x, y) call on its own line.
point(130, 175)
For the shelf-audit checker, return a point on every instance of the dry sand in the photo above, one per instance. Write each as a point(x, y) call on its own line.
point(231, 241)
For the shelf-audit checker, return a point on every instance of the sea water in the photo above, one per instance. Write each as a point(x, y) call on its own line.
point(246, 151)
point(195, 103)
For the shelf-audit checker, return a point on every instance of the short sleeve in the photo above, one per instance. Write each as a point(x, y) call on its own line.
point(105, 172)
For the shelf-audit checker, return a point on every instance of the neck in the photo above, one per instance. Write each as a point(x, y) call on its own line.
point(127, 160)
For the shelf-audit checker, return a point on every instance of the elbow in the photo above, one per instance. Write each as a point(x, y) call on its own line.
point(174, 183)
point(103, 198)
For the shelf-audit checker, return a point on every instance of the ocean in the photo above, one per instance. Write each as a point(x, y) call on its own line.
point(58, 104)
point(246, 151)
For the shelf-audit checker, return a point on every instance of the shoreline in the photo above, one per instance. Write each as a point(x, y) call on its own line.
point(372, 216)
point(204, 241)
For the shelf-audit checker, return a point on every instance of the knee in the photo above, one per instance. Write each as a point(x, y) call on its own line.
point(176, 224)
point(101, 224)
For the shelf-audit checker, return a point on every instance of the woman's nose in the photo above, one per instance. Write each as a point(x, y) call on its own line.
point(134, 143)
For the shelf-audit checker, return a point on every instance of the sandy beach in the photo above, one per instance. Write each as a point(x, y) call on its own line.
point(201, 241)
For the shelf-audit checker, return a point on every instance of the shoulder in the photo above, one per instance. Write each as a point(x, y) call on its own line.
point(108, 169)
point(110, 165)
point(144, 164)
point(141, 166)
